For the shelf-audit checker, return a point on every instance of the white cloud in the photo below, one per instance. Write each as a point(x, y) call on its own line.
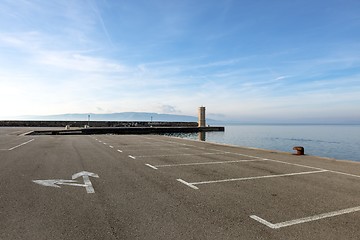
point(282, 78)
point(79, 62)
point(168, 109)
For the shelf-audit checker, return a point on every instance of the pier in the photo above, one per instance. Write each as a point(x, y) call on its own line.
point(125, 130)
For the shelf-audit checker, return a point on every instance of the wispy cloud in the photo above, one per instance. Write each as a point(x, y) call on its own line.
point(97, 12)
point(79, 62)
point(282, 78)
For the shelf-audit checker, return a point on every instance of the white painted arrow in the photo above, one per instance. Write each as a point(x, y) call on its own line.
point(87, 182)
point(56, 182)
point(84, 173)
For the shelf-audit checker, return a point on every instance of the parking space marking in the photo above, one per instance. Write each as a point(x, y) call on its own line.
point(298, 165)
point(21, 144)
point(187, 184)
point(151, 148)
point(257, 177)
point(226, 152)
point(173, 143)
point(151, 166)
point(180, 154)
point(25, 133)
point(306, 166)
point(207, 163)
point(305, 219)
point(239, 154)
point(181, 147)
point(346, 174)
point(295, 164)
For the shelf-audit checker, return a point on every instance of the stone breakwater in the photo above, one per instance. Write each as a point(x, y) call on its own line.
point(107, 127)
point(125, 130)
point(80, 124)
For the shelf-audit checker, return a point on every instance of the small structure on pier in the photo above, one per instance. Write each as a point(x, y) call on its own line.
point(202, 117)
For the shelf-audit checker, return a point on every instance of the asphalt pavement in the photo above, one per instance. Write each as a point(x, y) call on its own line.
point(158, 187)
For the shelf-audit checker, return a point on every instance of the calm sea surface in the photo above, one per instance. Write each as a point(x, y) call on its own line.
point(334, 141)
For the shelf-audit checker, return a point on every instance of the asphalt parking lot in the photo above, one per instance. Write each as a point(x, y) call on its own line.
point(158, 187)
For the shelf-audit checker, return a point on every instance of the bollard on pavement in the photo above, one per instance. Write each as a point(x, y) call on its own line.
point(299, 150)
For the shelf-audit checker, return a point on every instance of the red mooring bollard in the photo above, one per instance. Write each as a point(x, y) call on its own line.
point(299, 150)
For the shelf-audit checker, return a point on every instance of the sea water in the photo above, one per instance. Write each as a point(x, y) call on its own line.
point(332, 141)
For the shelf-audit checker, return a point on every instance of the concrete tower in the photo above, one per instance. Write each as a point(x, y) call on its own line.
point(202, 118)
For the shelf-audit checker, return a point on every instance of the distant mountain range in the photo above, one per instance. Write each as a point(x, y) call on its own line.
point(124, 116)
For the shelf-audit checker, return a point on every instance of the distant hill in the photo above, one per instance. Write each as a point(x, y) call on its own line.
point(124, 116)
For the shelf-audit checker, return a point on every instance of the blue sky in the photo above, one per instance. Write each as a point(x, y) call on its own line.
point(245, 60)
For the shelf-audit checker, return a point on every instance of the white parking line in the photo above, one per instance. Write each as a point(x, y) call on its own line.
point(130, 156)
point(25, 133)
point(208, 163)
point(254, 178)
point(119, 151)
point(21, 144)
point(305, 219)
point(306, 166)
point(295, 164)
point(152, 148)
point(151, 166)
point(111, 146)
point(180, 154)
point(346, 174)
point(166, 141)
point(187, 184)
